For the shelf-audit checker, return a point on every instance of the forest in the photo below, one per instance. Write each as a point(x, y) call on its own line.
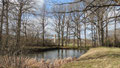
point(59, 33)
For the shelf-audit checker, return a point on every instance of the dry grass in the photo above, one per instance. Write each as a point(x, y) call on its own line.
point(20, 62)
point(101, 57)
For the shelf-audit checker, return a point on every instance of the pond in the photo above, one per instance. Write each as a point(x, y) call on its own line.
point(57, 54)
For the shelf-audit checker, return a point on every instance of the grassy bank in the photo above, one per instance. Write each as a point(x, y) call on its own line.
point(101, 57)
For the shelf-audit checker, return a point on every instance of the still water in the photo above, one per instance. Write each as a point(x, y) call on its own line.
point(57, 54)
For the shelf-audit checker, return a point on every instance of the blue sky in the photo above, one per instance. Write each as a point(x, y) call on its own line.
point(40, 2)
point(61, 1)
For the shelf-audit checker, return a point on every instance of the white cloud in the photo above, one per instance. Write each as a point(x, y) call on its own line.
point(40, 2)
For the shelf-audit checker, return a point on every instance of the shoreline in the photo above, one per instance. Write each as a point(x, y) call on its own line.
point(42, 49)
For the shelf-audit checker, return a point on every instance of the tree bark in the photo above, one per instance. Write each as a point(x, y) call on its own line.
point(63, 22)
point(1, 24)
point(67, 33)
point(115, 29)
point(7, 23)
point(59, 30)
point(85, 33)
point(19, 25)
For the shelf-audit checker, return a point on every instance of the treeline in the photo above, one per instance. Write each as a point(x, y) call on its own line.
point(87, 20)
point(18, 26)
point(84, 22)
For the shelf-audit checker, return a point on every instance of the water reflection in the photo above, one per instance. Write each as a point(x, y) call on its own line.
point(57, 54)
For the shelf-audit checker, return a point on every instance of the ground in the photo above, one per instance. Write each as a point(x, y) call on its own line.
point(101, 57)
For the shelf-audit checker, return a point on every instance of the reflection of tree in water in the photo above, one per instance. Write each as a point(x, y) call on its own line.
point(73, 53)
point(42, 54)
point(58, 54)
point(37, 57)
point(62, 53)
point(78, 51)
point(66, 53)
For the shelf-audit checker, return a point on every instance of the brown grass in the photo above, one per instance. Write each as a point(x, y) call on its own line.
point(20, 62)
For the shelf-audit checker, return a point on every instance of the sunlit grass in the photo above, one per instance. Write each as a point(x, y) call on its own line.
point(101, 57)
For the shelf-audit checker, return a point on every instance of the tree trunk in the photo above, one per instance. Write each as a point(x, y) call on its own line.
point(106, 34)
point(1, 25)
point(59, 31)
point(102, 34)
point(78, 34)
point(115, 37)
point(85, 33)
point(74, 39)
point(63, 21)
point(43, 35)
point(7, 24)
point(19, 26)
point(67, 33)
point(92, 34)
point(43, 25)
point(115, 29)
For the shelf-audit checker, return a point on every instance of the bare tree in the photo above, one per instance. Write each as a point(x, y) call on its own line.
point(7, 22)
point(2, 21)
